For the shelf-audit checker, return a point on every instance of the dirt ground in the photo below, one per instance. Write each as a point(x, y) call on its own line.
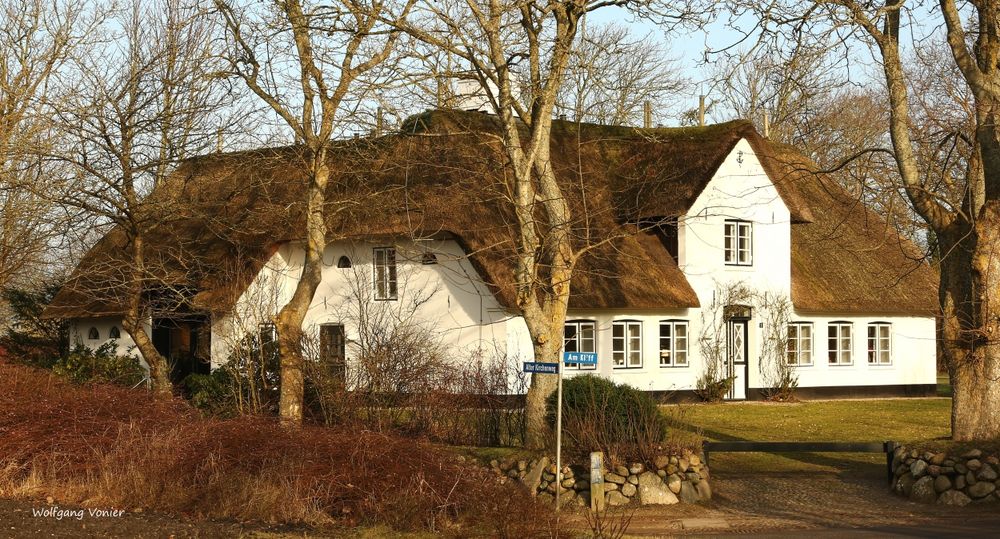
point(743, 503)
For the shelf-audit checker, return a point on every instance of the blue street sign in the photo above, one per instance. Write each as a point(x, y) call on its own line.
point(542, 368)
point(582, 358)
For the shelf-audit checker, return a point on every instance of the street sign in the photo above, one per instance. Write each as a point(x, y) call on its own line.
point(581, 358)
point(541, 368)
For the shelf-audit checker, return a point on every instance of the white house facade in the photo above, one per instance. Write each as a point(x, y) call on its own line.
point(735, 244)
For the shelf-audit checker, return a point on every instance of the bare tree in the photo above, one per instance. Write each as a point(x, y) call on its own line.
point(966, 228)
point(36, 40)
point(519, 53)
point(611, 77)
point(322, 51)
point(143, 100)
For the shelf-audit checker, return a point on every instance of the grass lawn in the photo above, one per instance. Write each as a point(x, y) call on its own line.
point(902, 420)
point(943, 385)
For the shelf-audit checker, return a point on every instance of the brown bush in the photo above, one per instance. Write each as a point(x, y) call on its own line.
point(100, 444)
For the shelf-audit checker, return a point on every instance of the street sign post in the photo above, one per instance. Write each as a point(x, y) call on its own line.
point(580, 358)
point(542, 368)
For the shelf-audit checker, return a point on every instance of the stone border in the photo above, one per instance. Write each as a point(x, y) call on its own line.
point(946, 479)
point(671, 479)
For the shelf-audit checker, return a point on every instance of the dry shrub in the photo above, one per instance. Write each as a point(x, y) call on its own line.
point(106, 445)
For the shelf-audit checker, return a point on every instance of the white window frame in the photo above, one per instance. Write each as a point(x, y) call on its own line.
point(625, 346)
point(879, 346)
point(675, 347)
point(733, 254)
point(578, 340)
point(799, 344)
point(835, 354)
point(386, 275)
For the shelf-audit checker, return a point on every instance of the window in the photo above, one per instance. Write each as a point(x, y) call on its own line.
point(739, 243)
point(673, 343)
point(580, 336)
point(343, 262)
point(800, 343)
point(333, 350)
point(626, 344)
point(114, 333)
point(429, 259)
point(93, 334)
point(385, 273)
point(840, 337)
point(879, 344)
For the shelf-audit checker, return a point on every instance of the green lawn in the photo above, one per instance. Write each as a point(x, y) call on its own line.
point(943, 385)
point(903, 420)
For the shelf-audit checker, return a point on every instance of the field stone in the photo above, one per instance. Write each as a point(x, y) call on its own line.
point(933, 470)
point(960, 482)
point(992, 459)
point(673, 459)
point(636, 468)
point(704, 491)
point(548, 476)
point(661, 473)
point(683, 464)
point(694, 477)
point(608, 487)
point(987, 473)
point(612, 477)
point(981, 489)
point(972, 454)
point(652, 491)
point(672, 468)
point(923, 490)
point(633, 479)
point(616, 498)
point(661, 461)
point(960, 468)
point(948, 462)
point(674, 483)
point(568, 483)
point(628, 489)
point(688, 494)
point(522, 465)
point(918, 469)
point(621, 470)
point(953, 497)
point(534, 477)
point(905, 485)
point(974, 464)
point(938, 459)
point(695, 460)
point(942, 483)
point(970, 478)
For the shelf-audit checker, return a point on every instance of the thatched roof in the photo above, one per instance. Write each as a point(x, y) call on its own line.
point(220, 217)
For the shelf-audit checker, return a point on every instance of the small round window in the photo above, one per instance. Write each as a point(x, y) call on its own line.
point(115, 333)
point(343, 262)
point(93, 334)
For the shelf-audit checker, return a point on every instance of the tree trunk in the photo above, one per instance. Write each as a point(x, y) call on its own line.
point(289, 320)
point(538, 433)
point(970, 325)
point(159, 371)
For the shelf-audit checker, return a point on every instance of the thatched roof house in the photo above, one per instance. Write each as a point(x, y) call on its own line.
point(219, 219)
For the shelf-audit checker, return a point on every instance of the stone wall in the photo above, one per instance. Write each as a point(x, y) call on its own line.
point(930, 477)
point(670, 479)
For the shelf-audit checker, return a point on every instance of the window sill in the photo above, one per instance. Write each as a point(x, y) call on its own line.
point(387, 299)
point(851, 364)
point(674, 366)
point(627, 368)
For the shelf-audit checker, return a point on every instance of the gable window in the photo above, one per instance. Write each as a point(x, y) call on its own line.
point(673, 343)
point(93, 334)
point(800, 343)
point(385, 273)
point(343, 262)
point(879, 344)
point(114, 333)
point(626, 344)
point(429, 259)
point(580, 336)
point(739, 243)
point(840, 341)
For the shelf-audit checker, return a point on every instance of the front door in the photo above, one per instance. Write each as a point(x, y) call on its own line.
point(736, 357)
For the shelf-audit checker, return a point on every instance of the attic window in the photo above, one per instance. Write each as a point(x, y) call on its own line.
point(93, 334)
point(115, 333)
point(385, 273)
point(429, 259)
point(739, 243)
point(343, 262)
